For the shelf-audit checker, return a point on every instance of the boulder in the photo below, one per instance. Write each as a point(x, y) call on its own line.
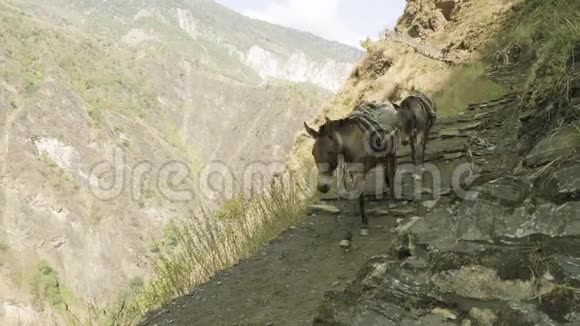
point(438, 21)
point(568, 182)
point(554, 147)
point(549, 219)
point(500, 208)
point(570, 266)
point(509, 190)
point(482, 220)
point(476, 220)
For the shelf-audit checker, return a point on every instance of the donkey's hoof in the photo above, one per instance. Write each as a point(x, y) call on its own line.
point(364, 232)
point(345, 244)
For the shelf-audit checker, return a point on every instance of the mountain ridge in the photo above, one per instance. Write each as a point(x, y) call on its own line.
point(211, 33)
point(73, 96)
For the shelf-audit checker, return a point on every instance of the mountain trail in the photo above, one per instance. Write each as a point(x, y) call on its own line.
point(284, 283)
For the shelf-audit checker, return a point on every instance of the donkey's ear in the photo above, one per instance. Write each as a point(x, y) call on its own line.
point(326, 119)
point(311, 131)
point(396, 106)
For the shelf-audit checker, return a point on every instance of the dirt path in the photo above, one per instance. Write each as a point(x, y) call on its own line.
point(285, 282)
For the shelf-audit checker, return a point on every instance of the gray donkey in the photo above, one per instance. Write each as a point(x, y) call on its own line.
point(417, 115)
point(366, 138)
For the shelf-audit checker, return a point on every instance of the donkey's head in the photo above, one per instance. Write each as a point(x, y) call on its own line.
point(325, 152)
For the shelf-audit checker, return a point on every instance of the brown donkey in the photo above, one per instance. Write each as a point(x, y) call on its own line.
point(366, 138)
point(417, 115)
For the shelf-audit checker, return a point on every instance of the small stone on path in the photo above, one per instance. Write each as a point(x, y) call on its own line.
point(377, 212)
point(404, 212)
point(345, 244)
point(429, 204)
point(323, 209)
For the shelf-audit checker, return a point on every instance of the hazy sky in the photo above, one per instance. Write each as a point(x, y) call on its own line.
point(346, 21)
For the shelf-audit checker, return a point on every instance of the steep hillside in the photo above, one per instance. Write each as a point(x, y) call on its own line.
point(232, 44)
point(90, 121)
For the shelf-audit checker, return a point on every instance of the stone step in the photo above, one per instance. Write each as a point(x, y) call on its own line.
point(461, 126)
point(499, 102)
point(437, 148)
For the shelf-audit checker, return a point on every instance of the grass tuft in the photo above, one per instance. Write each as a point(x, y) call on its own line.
point(466, 85)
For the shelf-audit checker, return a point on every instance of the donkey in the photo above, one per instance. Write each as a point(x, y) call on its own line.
point(366, 138)
point(417, 115)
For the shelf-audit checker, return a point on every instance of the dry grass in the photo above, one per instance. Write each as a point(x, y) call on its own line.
point(205, 245)
point(466, 85)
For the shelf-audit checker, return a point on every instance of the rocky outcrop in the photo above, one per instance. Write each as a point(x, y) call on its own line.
point(501, 259)
point(451, 288)
point(422, 17)
point(562, 144)
point(298, 67)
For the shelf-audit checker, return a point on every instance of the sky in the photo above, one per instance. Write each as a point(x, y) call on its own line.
point(345, 21)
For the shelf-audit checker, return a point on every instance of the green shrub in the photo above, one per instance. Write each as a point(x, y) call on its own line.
point(170, 238)
point(32, 81)
point(232, 209)
point(47, 287)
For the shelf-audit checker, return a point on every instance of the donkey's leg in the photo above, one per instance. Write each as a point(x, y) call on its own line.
point(415, 153)
point(391, 172)
point(420, 153)
point(353, 195)
point(364, 229)
point(412, 141)
point(425, 141)
point(346, 241)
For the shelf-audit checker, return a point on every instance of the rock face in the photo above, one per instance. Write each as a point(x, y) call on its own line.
point(298, 67)
point(568, 182)
point(447, 7)
point(422, 17)
point(554, 147)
